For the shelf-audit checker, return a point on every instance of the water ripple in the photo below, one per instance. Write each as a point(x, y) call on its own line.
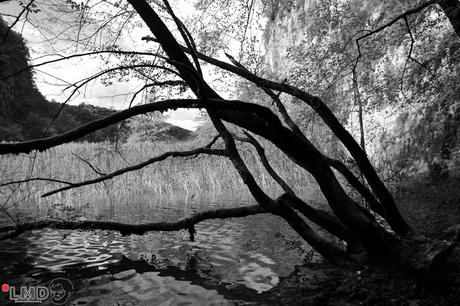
point(229, 259)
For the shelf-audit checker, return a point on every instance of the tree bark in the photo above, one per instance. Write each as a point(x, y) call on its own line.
point(390, 210)
point(294, 146)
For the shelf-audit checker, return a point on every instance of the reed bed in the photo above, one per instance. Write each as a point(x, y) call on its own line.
point(185, 178)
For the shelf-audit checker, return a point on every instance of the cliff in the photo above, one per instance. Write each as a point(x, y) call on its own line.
point(286, 28)
point(411, 107)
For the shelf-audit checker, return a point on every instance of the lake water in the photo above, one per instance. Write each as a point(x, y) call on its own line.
point(230, 262)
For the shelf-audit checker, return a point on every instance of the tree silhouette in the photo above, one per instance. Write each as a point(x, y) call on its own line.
point(367, 240)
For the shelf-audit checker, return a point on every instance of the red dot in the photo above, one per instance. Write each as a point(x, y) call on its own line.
point(5, 287)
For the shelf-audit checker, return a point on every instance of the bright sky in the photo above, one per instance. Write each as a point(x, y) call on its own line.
point(52, 79)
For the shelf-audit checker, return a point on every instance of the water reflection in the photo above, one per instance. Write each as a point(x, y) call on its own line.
point(230, 261)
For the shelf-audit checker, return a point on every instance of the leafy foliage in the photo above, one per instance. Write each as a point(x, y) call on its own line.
point(152, 127)
point(405, 75)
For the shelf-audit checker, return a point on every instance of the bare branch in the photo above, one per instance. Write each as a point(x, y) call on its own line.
point(186, 36)
point(63, 58)
point(24, 10)
point(263, 158)
point(393, 216)
point(128, 229)
point(35, 179)
point(397, 18)
point(409, 56)
point(359, 102)
point(213, 141)
point(150, 161)
point(49, 142)
point(95, 169)
point(322, 218)
point(389, 24)
point(159, 84)
point(85, 81)
point(356, 184)
point(276, 100)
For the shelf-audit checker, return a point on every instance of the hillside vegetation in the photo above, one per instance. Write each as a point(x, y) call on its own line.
point(26, 114)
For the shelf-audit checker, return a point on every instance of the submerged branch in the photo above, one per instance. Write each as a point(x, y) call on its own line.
point(128, 229)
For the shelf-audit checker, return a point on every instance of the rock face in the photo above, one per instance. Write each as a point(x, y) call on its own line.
point(285, 29)
point(399, 120)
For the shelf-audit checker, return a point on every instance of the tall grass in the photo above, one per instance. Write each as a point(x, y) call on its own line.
point(198, 176)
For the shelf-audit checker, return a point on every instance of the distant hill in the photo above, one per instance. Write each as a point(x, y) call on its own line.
point(173, 132)
point(25, 114)
point(143, 128)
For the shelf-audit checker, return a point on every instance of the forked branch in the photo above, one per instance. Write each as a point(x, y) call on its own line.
point(322, 218)
point(393, 216)
point(263, 158)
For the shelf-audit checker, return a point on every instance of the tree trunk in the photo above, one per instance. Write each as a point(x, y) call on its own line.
point(298, 149)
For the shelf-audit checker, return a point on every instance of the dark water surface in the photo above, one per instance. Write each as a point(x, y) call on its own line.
point(230, 261)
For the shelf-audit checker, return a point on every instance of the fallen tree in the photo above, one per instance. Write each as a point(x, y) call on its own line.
point(366, 240)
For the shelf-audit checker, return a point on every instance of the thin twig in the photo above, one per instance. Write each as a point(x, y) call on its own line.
point(35, 179)
point(95, 169)
point(25, 9)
